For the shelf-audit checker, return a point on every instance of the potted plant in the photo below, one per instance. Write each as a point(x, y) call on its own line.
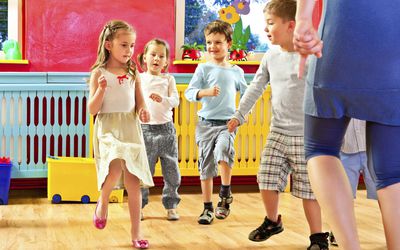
point(11, 50)
point(239, 42)
point(238, 53)
point(192, 52)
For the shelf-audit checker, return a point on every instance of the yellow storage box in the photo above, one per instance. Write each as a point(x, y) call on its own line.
point(74, 179)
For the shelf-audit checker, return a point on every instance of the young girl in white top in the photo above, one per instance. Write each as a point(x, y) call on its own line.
point(116, 98)
point(161, 96)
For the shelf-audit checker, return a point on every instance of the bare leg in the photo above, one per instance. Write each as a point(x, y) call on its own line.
point(271, 202)
point(113, 176)
point(207, 189)
point(313, 215)
point(332, 189)
point(389, 202)
point(226, 173)
point(132, 185)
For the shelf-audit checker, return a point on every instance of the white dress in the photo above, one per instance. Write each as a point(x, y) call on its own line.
point(117, 132)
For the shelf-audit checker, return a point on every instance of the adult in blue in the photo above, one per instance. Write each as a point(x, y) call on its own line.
point(358, 76)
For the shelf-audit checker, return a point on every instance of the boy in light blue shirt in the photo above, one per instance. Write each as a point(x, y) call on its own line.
point(215, 84)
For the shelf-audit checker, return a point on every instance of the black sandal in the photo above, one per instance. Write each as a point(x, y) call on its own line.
point(319, 241)
point(206, 217)
point(266, 230)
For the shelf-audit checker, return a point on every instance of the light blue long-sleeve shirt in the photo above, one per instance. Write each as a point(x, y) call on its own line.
point(230, 80)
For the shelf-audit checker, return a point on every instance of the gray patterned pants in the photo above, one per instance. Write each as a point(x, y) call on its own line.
point(161, 143)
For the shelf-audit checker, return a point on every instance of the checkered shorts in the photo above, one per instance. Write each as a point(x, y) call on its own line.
point(282, 155)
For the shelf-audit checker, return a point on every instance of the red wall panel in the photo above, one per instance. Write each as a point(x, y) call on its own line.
point(63, 35)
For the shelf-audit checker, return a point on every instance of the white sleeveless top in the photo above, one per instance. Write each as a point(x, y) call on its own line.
point(120, 93)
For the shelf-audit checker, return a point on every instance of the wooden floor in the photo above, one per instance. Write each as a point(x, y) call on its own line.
point(30, 221)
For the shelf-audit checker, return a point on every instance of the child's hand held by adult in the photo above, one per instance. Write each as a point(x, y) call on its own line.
point(232, 124)
point(302, 64)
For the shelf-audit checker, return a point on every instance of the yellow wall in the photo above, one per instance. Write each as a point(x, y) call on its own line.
point(249, 141)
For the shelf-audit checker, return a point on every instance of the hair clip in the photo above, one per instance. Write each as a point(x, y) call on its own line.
point(108, 26)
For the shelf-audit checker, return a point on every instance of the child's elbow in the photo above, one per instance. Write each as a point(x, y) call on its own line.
point(92, 110)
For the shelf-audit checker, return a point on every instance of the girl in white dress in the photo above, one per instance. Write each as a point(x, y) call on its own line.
point(116, 98)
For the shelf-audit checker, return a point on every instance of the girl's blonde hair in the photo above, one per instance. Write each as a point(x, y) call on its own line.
point(108, 34)
point(154, 41)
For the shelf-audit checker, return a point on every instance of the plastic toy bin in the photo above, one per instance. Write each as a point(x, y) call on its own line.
point(5, 175)
point(74, 179)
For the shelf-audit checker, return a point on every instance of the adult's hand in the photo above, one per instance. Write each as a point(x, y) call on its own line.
point(306, 42)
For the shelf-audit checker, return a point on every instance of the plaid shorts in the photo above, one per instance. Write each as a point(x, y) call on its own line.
point(282, 155)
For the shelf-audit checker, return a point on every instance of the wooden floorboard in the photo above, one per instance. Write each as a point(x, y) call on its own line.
point(30, 221)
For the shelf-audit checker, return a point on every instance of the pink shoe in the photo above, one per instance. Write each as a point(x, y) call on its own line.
point(140, 244)
point(98, 222)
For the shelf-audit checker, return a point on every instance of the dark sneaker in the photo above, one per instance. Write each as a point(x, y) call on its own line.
point(222, 211)
point(319, 241)
point(332, 240)
point(266, 230)
point(206, 217)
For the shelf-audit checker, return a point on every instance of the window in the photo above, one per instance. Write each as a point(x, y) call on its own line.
point(10, 18)
point(3, 22)
point(193, 15)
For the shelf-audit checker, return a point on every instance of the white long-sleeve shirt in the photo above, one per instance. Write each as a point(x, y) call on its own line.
point(165, 86)
point(354, 139)
point(279, 69)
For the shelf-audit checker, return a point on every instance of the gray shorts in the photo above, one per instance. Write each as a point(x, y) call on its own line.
point(215, 144)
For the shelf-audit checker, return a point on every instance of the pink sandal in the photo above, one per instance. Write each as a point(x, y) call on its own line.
point(99, 223)
point(140, 244)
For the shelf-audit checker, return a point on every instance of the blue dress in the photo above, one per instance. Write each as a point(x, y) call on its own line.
point(359, 73)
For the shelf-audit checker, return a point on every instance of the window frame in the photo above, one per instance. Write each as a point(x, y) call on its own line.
point(179, 27)
point(14, 27)
point(180, 32)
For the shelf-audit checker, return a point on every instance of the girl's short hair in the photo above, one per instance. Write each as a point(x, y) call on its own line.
point(219, 26)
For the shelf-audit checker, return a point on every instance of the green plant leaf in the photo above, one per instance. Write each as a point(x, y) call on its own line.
point(237, 31)
point(246, 36)
point(194, 46)
point(184, 47)
point(200, 47)
point(239, 26)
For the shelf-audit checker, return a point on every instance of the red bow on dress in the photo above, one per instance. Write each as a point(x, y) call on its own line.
point(121, 79)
